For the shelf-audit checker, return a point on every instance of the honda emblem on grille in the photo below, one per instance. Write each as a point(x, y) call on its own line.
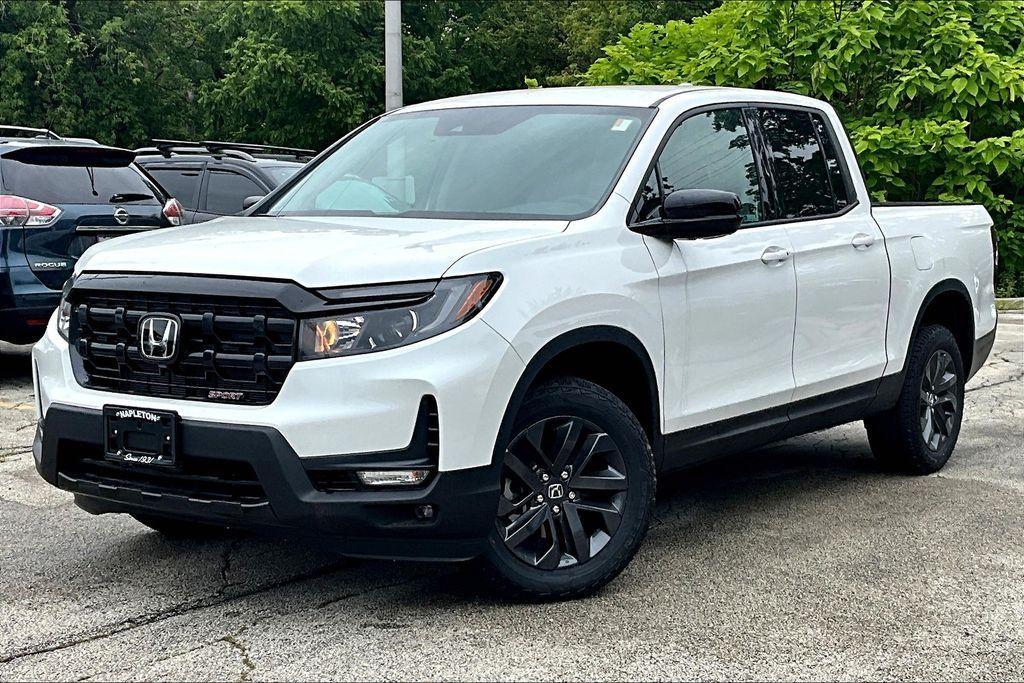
point(159, 337)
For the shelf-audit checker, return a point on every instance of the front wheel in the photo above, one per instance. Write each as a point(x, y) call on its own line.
point(577, 492)
point(918, 434)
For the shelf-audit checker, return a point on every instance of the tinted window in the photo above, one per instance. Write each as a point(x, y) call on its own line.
point(502, 162)
point(74, 184)
point(712, 152)
point(227, 191)
point(801, 176)
point(180, 183)
point(840, 186)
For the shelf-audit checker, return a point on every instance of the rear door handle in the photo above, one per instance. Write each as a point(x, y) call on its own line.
point(862, 241)
point(774, 255)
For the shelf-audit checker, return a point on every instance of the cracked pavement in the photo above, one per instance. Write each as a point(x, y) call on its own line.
point(801, 560)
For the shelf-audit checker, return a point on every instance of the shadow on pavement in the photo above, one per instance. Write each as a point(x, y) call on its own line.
point(15, 364)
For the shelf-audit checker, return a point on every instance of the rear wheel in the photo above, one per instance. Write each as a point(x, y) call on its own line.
point(577, 491)
point(918, 434)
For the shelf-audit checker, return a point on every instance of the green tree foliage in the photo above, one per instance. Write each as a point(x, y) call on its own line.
point(932, 93)
point(291, 72)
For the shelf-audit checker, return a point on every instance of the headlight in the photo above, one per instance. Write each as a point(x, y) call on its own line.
point(453, 302)
point(64, 312)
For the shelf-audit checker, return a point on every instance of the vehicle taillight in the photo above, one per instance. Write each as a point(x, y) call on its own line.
point(18, 211)
point(173, 211)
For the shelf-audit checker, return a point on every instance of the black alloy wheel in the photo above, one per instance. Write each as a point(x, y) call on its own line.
point(563, 492)
point(938, 403)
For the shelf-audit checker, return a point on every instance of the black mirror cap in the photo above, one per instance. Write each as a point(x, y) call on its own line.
point(252, 201)
point(695, 214)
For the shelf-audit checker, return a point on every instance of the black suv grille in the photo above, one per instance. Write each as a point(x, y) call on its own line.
point(231, 350)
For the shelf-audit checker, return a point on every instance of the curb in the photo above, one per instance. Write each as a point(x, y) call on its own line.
point(1016, 304)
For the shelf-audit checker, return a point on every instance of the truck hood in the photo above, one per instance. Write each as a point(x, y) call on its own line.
point(314, 252)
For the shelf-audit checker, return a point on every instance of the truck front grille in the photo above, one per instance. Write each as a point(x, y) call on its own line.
point(231, 350)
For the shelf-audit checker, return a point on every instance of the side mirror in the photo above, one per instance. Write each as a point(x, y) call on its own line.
point(250, 202)
point(695, 214)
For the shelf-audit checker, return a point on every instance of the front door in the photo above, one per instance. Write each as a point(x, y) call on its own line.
point(729, 302)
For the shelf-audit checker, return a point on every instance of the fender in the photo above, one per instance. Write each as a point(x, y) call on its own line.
point(565, 342)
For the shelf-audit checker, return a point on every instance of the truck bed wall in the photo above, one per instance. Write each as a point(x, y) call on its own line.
point(927, 244)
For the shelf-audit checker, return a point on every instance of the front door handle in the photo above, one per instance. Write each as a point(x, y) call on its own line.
point(773, 255)
point(862, 241)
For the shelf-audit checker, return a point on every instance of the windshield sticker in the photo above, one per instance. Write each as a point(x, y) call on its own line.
point(622, 125)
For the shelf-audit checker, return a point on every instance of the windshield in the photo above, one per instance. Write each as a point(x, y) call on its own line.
point(489, 162)
point(282, 173)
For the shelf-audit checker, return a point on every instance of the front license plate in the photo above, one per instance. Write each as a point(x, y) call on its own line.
point(140, 436)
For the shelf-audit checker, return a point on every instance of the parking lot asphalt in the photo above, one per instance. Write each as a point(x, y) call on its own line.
point(798, 561)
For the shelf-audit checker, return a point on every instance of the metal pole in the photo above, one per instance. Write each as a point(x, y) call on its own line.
point(392, 54)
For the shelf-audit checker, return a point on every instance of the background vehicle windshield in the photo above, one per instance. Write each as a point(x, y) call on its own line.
point(495, 162)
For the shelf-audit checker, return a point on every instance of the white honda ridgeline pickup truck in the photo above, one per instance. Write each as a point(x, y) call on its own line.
point(482, 327)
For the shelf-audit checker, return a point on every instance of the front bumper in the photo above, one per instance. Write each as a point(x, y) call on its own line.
point(353, 405)
point(377, 523)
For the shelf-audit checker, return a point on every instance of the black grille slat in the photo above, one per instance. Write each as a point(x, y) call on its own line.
point(200, 478)
point(245, 347)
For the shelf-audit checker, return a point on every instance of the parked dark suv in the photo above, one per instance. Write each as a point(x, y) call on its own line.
point(214, 179)
point(58, 197)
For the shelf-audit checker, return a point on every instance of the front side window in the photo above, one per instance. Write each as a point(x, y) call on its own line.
point(712, 151)
point(226, 192)
point(801, 176)
point(547, 162)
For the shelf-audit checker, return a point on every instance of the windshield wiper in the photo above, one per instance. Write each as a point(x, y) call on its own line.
point(129, 197)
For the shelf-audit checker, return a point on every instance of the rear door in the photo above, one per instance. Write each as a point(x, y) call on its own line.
point(96, 202)
point(842, 269)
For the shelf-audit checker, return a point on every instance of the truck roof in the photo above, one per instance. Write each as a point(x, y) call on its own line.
point(606, 95)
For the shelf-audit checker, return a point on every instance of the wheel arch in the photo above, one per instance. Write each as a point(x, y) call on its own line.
point(949, 304)
point(628, 373)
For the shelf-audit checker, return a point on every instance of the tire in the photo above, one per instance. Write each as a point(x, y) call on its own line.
point(918, 434)
point(180, 528)
point(566, 536)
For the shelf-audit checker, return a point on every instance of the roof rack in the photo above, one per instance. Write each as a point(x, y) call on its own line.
point(36, 132)
point(238, 150)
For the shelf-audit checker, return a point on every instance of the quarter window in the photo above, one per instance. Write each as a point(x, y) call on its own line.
point(801, 175)
point(712, 151)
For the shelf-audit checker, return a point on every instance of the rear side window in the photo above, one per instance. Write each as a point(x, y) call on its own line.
point(227, 191)
point(712, 151)
point(840, 185)
point(74, 184)
point(801, 174)
point(180, 183)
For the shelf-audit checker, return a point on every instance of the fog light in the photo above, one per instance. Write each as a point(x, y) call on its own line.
point(424, 512)
point(393, 477)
